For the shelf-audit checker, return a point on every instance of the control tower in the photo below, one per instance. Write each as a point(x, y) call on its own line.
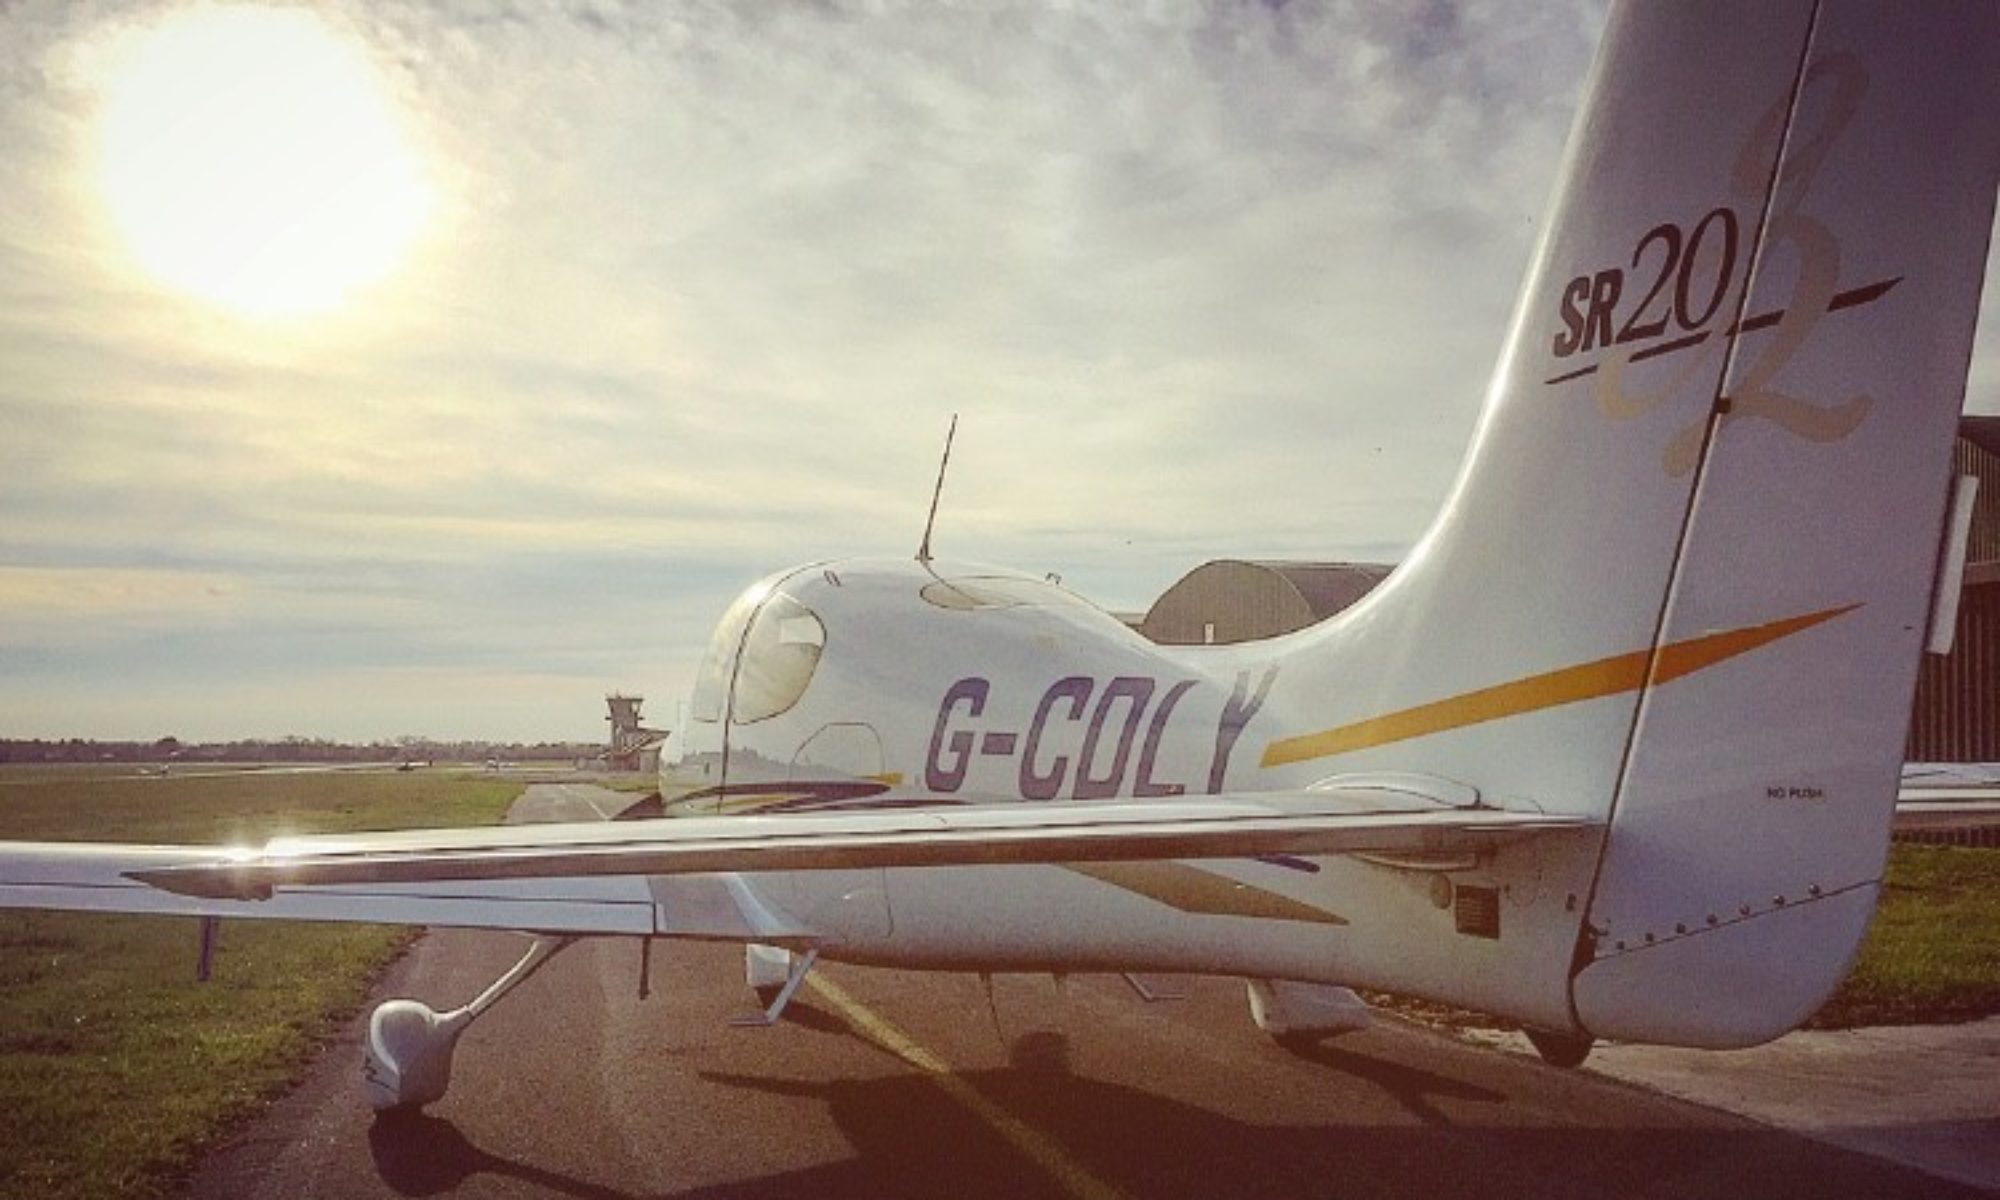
point(630, 739)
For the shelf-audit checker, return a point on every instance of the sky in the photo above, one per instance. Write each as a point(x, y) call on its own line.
point(560, 323)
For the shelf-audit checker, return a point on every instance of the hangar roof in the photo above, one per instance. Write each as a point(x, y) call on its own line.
point(1236, 600)
point(1328, 587)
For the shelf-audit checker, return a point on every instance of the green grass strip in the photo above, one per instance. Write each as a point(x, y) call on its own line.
point(1933, 953)
point(116, 1068)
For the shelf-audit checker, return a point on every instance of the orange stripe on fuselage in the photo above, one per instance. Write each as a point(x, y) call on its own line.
point(1189, 889)
point(1586, 681)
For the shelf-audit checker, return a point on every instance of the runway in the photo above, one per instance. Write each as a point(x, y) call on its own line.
point(885, 1083)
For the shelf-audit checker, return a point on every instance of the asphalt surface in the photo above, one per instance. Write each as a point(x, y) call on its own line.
point(1927, 1095)
point(886, 1083)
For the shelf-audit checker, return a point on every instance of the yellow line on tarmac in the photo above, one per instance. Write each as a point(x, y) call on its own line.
point(1030, 1141)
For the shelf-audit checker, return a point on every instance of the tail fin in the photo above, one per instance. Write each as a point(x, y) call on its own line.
point(1753, 810)
point(1683, 579)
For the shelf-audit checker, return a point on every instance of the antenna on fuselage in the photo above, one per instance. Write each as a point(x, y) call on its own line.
point(924, 548)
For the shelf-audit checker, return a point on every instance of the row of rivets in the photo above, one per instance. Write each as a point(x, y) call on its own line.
point(1743, 911)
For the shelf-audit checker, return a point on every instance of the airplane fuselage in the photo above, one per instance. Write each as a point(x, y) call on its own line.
point(877, 684)
point(950, 685)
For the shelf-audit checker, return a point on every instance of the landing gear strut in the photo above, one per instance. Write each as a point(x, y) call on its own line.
point(407, 1058)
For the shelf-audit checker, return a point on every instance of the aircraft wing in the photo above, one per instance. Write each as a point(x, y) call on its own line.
point(100, 877)
point(630, 877)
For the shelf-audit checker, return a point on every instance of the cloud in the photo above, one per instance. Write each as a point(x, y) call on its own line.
point(703, 285)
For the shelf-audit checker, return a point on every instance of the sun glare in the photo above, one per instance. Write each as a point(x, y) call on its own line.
point(250, 157)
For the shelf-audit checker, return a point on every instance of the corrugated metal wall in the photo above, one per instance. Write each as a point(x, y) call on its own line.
point(1956, 716)
point(1969, 459)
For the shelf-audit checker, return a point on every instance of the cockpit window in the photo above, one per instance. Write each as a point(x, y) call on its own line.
point(778, 659)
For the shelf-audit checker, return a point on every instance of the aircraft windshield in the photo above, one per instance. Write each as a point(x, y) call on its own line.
point(711, 682)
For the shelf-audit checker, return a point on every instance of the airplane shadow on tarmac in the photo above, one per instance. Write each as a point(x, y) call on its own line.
point(417, 1154)
point(1410, 1087)
point(910, 1138)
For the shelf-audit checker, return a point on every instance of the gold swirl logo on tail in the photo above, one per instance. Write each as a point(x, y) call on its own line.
point(1694, 277)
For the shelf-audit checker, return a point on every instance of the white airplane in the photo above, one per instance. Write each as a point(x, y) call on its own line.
point(1613, 753)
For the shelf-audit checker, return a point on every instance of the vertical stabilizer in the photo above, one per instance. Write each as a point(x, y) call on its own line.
point(1752, 815)
point(1682, 582)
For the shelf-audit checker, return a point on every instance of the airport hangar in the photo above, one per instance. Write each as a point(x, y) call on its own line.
point(1955, 717)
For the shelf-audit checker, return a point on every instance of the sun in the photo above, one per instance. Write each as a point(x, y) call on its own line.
point(250, 157)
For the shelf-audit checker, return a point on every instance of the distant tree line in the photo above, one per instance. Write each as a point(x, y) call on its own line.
point(287, 749)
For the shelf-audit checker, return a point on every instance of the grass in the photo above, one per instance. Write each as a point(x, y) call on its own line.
point(115, 1066)
point(1933, 953)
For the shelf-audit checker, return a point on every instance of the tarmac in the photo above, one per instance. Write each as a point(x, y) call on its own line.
point(879, 1084)
point(1926, 1096)
point(883, 1083)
